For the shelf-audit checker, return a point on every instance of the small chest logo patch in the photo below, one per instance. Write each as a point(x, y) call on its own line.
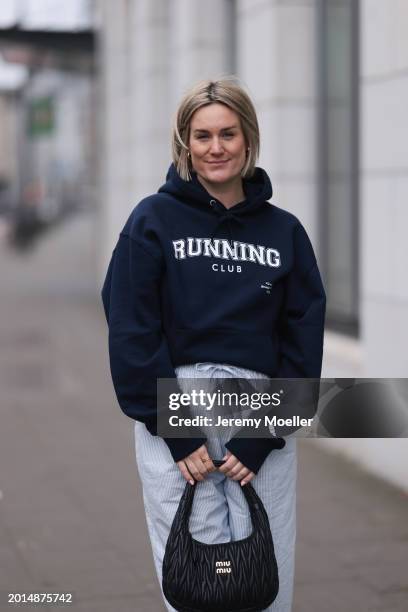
point(267, 285)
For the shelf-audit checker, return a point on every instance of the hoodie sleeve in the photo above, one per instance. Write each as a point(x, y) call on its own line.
point(301, 339)
point(138, 350)
point(302, 319)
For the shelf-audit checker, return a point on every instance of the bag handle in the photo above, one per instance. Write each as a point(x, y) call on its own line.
point(256, 507)
point(218, 462)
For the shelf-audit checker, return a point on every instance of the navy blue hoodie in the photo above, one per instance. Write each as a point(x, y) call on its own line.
point(191, 281)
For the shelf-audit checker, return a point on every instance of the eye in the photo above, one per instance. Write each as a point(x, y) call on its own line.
point(201, 137)
point(228, 135)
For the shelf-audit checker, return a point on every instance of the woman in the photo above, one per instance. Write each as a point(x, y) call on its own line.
point(209, 280)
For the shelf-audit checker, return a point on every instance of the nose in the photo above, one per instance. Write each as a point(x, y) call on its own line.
point(216, 146)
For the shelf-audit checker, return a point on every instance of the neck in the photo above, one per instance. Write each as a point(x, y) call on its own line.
point(228, 194)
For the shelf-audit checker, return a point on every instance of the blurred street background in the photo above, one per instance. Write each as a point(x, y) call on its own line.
point(87, 94)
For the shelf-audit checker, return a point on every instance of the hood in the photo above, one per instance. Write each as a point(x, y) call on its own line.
point(257, 189)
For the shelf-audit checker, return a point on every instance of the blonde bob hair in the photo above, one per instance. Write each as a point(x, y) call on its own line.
point(225, 90)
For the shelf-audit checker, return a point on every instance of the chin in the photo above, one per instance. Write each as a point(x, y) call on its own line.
point(220, 176)
point(215, 177)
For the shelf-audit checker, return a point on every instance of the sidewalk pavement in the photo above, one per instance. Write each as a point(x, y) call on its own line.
point(71, 512)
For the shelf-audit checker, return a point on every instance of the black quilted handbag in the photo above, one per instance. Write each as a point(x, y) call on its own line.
point(238, 576)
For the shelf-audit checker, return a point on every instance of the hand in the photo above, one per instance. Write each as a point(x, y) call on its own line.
point(235, 470)
point(197, 464)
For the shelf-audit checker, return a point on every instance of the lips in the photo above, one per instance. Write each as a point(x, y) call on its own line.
point(217, 163)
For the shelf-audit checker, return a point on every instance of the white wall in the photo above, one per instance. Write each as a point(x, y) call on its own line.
point(384, 187)
point(199, 39)
point(115, 160)
point(384, 217)
point(276, 59)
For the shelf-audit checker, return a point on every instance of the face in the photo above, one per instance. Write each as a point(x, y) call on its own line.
point(217, 144)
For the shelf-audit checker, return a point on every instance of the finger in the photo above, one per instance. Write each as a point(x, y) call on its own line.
point(194, 469)
point(234, 470)
point(229, 464)
point(247, 479)
point(242, 473)
point(186, 474)
point(202, 453)
point(207, 461)
point(202, 466)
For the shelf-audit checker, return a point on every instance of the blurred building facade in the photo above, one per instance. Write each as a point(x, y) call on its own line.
point(47, 104)
point(8, 150)
point(56, 142)
point(329, 79)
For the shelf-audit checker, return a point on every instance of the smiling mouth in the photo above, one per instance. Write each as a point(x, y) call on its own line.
point(216, 163)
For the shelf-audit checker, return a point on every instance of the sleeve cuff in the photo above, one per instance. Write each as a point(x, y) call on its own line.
point(181, 447)
point(252, 452)
point(178, 447)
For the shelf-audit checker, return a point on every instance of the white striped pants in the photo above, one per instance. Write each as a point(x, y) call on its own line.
point(220, 512)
